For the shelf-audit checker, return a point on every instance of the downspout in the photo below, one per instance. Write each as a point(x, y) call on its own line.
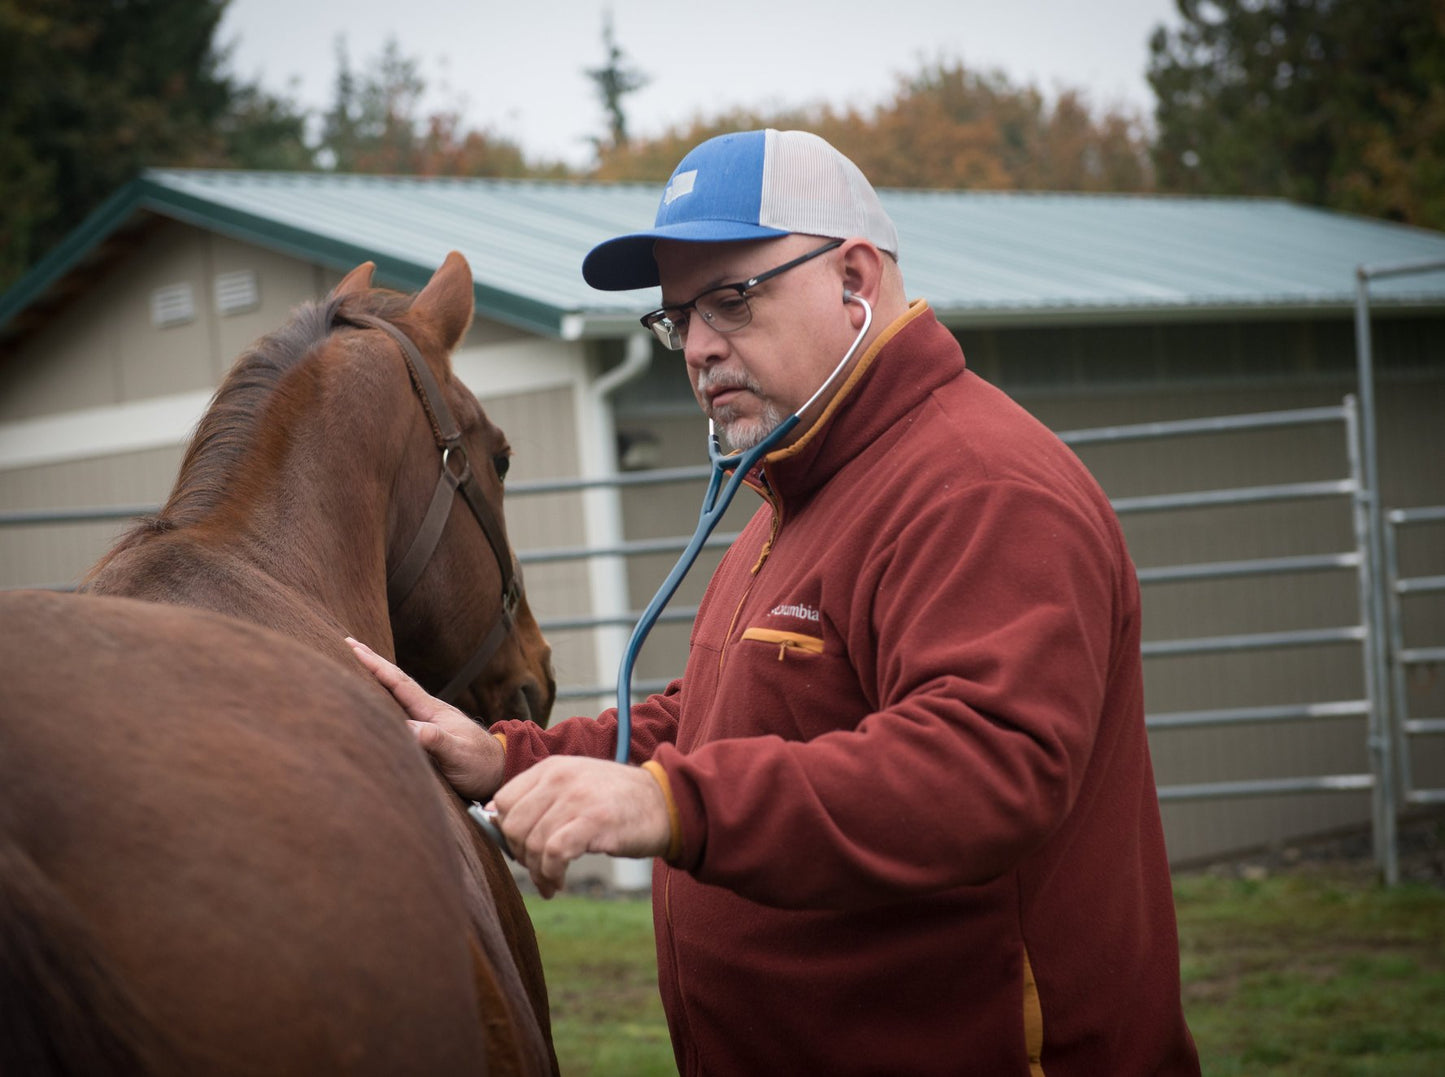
point(603, 505)
point(603, 514)
point(634, 364)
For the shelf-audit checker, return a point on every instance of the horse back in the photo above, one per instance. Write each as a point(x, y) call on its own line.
point(228, 853)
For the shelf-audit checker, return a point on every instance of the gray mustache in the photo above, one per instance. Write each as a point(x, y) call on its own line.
point(726, 379)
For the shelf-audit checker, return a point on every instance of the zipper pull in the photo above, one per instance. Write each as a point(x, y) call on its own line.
point(762, 556)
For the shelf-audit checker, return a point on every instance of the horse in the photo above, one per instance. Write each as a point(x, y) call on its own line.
point(221, 850)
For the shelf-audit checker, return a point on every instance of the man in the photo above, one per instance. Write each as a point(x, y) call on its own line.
point(902, 795)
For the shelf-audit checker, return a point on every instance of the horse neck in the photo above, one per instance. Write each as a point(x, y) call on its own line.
point(287, 531)
point(318, 531)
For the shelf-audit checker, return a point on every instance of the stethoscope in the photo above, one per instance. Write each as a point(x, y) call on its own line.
point(715, 503)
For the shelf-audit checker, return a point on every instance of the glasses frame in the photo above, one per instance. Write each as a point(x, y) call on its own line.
point(667, 330)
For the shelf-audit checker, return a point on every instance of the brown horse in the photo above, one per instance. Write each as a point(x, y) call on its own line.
point(221, 851)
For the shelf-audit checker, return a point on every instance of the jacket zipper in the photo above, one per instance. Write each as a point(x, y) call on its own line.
point(767, 492)
point(786, 641)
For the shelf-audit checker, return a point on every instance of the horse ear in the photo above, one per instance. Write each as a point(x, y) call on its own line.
point(448, 299)
point(358, 280)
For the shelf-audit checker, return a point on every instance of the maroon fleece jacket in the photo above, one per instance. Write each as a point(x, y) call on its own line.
point(915, 817)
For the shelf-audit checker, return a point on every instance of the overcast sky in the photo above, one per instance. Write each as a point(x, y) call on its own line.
point(518, 68)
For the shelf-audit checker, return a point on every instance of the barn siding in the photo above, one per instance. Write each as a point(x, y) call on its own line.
point(102, 352)
point(1075, 379)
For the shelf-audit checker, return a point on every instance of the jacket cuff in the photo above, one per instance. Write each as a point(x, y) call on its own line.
point(674, 821)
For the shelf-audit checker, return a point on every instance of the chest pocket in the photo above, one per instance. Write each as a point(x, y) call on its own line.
point(787, 643)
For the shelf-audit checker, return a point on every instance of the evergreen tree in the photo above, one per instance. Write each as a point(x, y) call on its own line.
point(94, 92)
point(614, 82)
point(945, 127)
point(376, 124)
point(1338, 103)
point(372, 124)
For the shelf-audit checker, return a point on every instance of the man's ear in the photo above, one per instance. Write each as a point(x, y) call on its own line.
point(862, 269)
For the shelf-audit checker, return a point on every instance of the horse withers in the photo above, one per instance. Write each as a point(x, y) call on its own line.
point(221, 851)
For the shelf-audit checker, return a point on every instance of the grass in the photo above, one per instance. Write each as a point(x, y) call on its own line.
point(1319, 972)
point(602, 985)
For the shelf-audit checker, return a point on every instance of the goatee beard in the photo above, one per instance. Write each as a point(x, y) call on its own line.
point(740, 433)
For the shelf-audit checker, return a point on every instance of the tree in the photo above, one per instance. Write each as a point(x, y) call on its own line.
point(1338, 103)
point(376, 124)
point(945, 127)
point(614, 82)
point(263, 131)
point(94, 92)
point(371, 124)
point(950, 127)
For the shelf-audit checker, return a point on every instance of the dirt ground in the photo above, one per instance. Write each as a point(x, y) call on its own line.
point(1421, 845)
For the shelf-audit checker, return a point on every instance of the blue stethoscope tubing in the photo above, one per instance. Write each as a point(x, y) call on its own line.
point(715, 502)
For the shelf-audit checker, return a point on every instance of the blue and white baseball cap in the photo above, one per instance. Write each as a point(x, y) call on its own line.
point(749, 185)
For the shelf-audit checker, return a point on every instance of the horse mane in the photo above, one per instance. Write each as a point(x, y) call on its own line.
point(275, 370)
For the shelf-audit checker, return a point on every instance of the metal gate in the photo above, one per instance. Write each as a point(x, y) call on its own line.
point(1403, 658)
point(1375, 777)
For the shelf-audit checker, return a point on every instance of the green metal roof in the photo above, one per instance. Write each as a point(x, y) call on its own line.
point(978, 257)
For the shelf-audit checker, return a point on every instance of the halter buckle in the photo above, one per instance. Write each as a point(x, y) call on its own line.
point(511, 598)
point(461, 450)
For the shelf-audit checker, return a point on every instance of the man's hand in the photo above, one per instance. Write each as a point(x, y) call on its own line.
point(565, 806)
point(469, 757)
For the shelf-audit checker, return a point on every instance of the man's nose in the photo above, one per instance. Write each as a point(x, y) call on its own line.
point(702, 349)
point(704, 344)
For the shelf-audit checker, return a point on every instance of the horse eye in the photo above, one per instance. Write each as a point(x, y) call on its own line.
point(502, 462)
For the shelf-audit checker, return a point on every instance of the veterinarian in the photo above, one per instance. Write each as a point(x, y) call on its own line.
point(901, 799)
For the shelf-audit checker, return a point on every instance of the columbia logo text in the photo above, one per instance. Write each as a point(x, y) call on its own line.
point(806, 613)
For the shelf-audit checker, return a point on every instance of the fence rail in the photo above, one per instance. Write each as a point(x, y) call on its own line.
point(1402, 659)
point(1355, 560)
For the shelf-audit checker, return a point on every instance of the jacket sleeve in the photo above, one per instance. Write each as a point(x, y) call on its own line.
point(984, 631)
point(654, 722)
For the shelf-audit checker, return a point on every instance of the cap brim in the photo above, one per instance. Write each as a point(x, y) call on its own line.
point(627, 262)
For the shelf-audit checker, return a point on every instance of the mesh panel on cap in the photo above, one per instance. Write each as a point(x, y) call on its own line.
point(810, 187)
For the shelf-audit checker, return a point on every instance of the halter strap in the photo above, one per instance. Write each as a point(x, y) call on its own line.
point(448, 437)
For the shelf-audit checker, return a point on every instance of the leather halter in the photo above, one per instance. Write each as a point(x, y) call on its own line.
point(456, 477)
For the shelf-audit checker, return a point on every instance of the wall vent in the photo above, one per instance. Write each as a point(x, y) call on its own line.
point(237, 292)
point(172, 305)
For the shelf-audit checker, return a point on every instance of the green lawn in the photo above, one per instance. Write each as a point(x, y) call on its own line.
point(1313, 974)
point(1308, 973)
point(602, 984)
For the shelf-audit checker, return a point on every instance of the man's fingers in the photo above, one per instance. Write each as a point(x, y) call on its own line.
point(413, 698)
point(547, 863)
point(427, 735)
point(564, 807)
point(388, 673)
point(469, 757)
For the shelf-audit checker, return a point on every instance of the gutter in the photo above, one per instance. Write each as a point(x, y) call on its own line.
point(602, 518)
point(602, 505)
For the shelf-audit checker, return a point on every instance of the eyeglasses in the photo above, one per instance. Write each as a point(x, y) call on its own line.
point(724, 308)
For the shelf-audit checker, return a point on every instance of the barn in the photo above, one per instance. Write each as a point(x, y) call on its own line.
point(1201, 355)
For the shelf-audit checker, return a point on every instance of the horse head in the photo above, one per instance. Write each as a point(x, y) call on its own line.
point(460, 622)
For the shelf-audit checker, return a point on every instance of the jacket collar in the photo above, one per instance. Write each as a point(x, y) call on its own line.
point(909, 360)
